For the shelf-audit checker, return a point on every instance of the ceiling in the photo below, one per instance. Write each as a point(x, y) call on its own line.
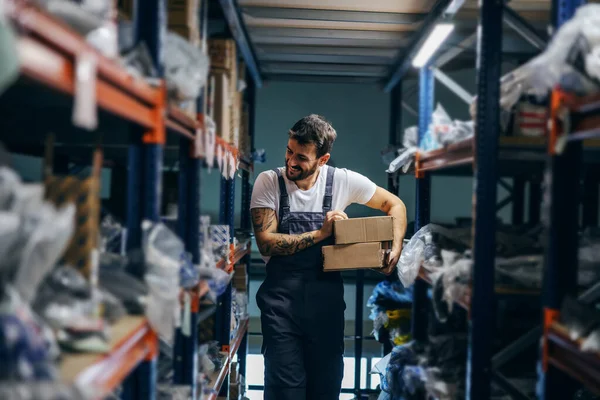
point(360, 40)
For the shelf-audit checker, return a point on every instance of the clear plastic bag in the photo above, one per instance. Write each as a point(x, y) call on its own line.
point(404, 160)
point(186, 68)
point(163, 251)
point(217, 279)
point(411, 137)
point(420, 250)
point(45, 244)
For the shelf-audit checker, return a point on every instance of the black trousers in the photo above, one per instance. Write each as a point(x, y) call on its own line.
point(302, 322)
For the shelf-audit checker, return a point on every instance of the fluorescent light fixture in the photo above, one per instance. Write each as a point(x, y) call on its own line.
point(433, 42)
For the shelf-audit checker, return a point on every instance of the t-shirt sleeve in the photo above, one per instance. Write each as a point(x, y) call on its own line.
point(264, 194)
point(360, 188)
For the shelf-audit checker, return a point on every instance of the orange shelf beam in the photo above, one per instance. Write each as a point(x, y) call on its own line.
point(234, 347)
point(566, 355)
point(133, 341)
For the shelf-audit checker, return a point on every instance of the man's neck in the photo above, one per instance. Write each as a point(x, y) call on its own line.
point(309, 182)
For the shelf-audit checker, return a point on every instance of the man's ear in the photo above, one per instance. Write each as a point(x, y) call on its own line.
point(323, 160)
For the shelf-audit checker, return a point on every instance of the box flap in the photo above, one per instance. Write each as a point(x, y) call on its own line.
point(363, 230)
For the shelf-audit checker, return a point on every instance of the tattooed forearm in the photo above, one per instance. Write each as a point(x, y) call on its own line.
point(271, 243)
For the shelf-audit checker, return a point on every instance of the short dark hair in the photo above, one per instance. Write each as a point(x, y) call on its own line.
point(316, 130)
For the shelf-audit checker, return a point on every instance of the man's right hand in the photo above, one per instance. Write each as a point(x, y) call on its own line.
point(327, 228)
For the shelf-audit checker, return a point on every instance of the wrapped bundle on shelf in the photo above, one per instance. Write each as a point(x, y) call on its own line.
point(390, 306)
point(93, 19)
point(186, 71)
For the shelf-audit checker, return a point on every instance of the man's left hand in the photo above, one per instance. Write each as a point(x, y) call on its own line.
point(392, 261)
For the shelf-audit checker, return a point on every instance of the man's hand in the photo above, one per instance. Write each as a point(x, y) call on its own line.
point(327, 228)
point(392, 261)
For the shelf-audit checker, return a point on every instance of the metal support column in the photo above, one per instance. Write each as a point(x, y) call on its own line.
point(223, 316)
point(535, 201)
point(423, 200)
point(591, 191)
point(561, 258)
point(518, 201)
point(395, 129)
point(358, 331)
point(246, 222)
point(482, 312)
point(145, 171)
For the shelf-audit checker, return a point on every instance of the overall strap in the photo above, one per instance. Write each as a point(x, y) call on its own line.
point(284, 203)
point(327, 199)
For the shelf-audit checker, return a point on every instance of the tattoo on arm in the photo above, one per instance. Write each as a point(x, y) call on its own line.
point(262, 219)
point(384, 205)
point(277, 244)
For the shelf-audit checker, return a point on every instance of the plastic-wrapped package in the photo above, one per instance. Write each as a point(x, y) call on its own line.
point(580, 319)
point(163, 251)
point(441, 389)
point(27, 346)
point(400, 357)
point(404, 160)
point(173, 392)
point(9, 181)
point(39, 391)
point(50, 233)
point(217, 280)
point(111, 234)
point(578, 38)
point(132, 293)
point(423, 250)
point(186, 68)
point(455, 280)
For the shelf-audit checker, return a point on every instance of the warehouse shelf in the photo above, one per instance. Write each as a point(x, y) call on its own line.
point(217, 379)
point(511, 149)
point(566, 355)
point(48, 52)
point(500, 290)
point(132, 341)
point(238, 253)
point(179, 122)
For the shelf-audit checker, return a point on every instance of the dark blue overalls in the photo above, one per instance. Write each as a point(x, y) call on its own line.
point(302, 313)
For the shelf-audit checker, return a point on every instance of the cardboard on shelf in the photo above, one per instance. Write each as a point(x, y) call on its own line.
point(183, 12)
point(222, 106)
point(222, 54)
point(353, 256)
point(364, 230)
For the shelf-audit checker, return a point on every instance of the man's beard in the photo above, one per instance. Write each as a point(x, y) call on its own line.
point(300, 174)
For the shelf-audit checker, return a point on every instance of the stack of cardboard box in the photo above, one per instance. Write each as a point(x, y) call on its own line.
point(227, 98)
point(237, 386)
point(240, 278)
point(183, 19)
point(359, 243)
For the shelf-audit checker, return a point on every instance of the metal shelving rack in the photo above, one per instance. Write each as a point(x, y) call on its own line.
point(488, 157)
point(48, 52)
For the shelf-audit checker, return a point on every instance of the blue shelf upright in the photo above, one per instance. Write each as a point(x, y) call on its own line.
point(420, 300)
point(482, 310)
point(145, 175)
point(563, 173)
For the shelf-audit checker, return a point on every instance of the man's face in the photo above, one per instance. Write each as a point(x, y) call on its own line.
point(300, 160)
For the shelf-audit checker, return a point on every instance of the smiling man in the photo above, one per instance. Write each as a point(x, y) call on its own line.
point(302, 308)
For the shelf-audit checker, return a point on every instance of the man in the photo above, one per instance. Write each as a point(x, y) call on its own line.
point(302, 308)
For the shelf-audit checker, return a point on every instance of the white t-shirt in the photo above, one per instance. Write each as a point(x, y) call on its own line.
point(348, 188)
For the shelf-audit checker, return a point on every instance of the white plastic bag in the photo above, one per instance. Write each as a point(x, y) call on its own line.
point(186, 68)
point(45, 244)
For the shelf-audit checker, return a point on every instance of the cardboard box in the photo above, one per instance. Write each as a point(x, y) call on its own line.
point(222, 54)
point(364, 230)
point(352, 256)
point(183, 12)
point(222, 106)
